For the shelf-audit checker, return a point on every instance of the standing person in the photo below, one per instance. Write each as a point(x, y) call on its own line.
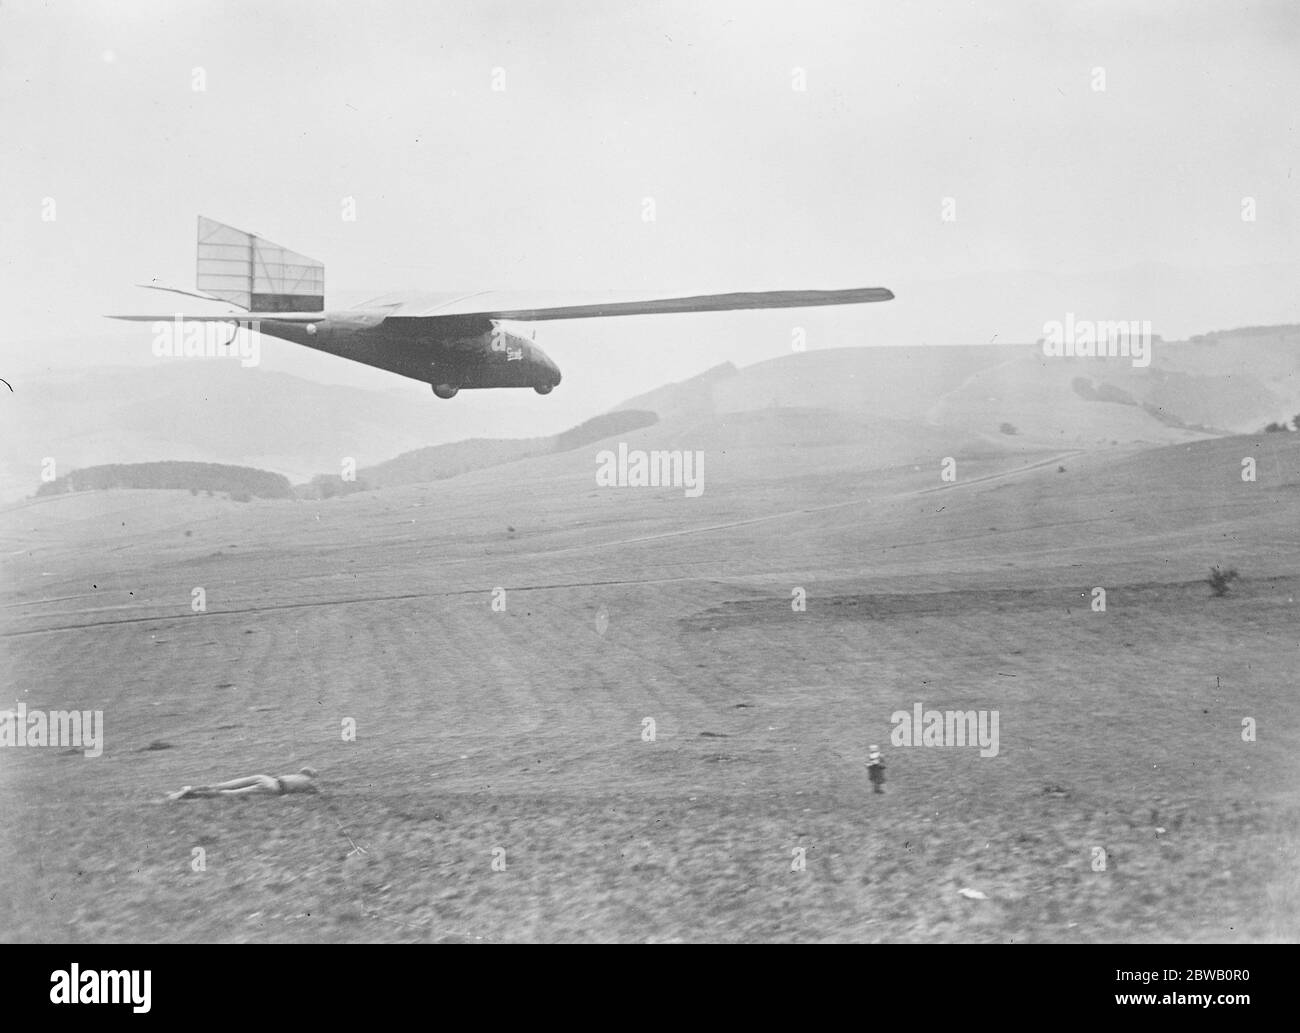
point(876, 770)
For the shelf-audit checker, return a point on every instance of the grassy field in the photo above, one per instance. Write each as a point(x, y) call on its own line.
point(480, 731)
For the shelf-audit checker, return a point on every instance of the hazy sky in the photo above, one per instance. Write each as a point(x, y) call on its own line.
point(1122, 202)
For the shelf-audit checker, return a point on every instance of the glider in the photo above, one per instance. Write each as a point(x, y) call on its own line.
point(449, 344)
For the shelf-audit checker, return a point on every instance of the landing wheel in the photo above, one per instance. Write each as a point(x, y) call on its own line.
point(543, 389)
point(445, 390)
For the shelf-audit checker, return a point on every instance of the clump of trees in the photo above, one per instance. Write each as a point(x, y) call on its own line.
point(1273, 428)
point(1220, 579)
point(244, 481)
point(1008, 428)
point(329, 485)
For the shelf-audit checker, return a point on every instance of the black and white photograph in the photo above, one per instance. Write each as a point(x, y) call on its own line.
point(651, 472)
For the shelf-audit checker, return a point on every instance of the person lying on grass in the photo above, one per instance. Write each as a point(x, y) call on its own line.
point(253, 785)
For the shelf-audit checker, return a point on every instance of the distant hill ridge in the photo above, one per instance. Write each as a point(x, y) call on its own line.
point(890, 399)
point(438, 462)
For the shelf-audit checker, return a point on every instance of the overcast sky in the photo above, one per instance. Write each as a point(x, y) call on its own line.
point(1117, 202)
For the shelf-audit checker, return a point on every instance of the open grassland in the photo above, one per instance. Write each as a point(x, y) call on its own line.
point(521, 730)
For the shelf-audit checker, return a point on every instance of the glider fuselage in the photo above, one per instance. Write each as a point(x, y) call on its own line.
point(473, 353)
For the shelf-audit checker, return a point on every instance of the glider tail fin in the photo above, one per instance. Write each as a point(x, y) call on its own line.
point(256, 274)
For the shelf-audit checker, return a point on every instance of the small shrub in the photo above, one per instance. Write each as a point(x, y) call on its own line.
point(1220, 579)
